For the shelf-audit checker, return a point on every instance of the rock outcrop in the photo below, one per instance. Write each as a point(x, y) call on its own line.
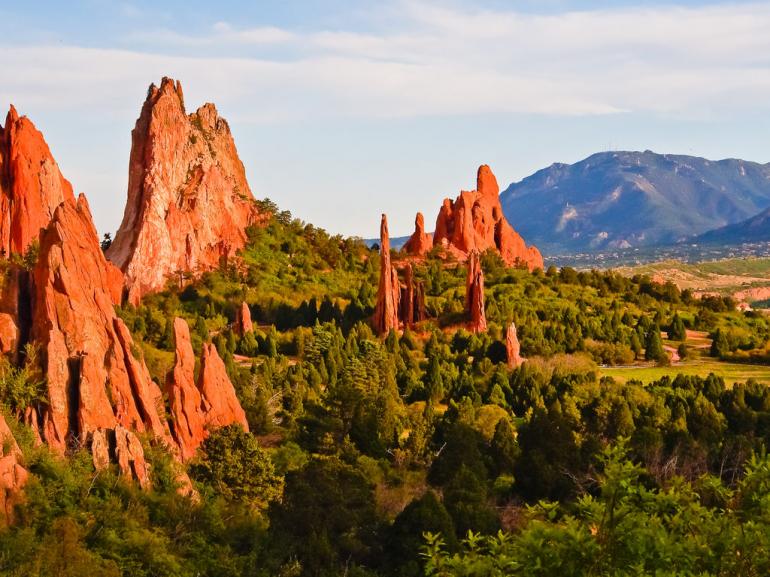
point(475, 221)
point(31, 185)
point(13, 476)
point(197, 409)
point(474, 294)
point(412, 299)
point(188, 200)
point(420, 243)
point(94, 381)
point(220, 404)
point(121, 446)
point(512, 347)
point(189, 422)
point(388, 293)
point(243, 322)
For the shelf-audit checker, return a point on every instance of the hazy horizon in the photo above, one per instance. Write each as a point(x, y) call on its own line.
point(391, 106)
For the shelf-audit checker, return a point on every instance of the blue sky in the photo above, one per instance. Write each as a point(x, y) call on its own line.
point(342, 110)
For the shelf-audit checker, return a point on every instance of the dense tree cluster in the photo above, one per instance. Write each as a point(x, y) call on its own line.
point(360, 445)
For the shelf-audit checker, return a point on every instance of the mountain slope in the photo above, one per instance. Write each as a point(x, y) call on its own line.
point(754, 229)
point(622, 199)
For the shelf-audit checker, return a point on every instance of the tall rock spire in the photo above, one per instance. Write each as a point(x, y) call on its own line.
point(387, 309)
point(188, 201)
point(474, 294)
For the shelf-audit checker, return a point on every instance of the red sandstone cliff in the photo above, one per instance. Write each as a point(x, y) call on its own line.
point(94, 382)
point(31, 185)
point(188, 200)
point(475, 221)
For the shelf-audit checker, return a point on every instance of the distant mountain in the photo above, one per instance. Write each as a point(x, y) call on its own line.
point(754, 229)
point(625, 199)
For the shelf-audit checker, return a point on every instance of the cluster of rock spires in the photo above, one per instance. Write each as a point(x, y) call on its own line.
point(397, 305)
point(474, 221)
point(188, 206)
point(189, 203)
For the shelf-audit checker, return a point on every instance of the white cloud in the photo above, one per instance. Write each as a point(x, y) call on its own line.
point(673, 60)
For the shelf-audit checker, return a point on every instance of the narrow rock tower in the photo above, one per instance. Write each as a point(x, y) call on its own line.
point(474, 294)
point(387, 309)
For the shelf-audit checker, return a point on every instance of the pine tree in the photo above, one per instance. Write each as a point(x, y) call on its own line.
point(653, 347)
point(677, 331)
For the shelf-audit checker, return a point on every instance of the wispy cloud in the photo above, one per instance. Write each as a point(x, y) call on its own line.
point(445, 61)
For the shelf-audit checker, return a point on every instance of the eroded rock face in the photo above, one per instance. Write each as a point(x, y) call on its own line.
point(31, 185)
point(512, 347)
point(474, 295)
point(475, 221)
point(420, 243)
point(188, 200)
point(221, 406)
point(94, 380)
point(13, 476)
point(14, 309)
point(388, 293)
point(130, 456)
point(243, 322)
point(412, 299)
point(199, 408)
point(189, 422)
point(121, 446)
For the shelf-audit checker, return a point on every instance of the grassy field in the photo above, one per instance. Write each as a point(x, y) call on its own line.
point(724, 276)
point(730, 372)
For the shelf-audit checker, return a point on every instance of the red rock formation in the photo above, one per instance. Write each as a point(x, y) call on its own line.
point(196, 409)
point(474, 294)
point(221, 406)
point(475, 221)
point(412, 299)
point(123, 447)
point(189, 422)
point(420, 243)
point(406, 315)
point(387, 308)
point(13, 476)
point(93, 380)
point(420, 313)
point(31, 186)
point(243, 322)
point(14, 308)
point(512, 347)
point(188, 200)
point(130, 456)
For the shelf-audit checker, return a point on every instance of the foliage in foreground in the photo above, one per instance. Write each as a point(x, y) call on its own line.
point(628, 528)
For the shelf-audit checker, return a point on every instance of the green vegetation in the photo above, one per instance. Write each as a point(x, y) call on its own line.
point(586, 460)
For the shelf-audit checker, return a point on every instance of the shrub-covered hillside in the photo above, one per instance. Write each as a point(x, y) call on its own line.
point(377, 455)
